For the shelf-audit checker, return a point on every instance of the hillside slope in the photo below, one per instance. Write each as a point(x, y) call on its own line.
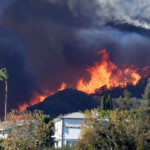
point(66, 101)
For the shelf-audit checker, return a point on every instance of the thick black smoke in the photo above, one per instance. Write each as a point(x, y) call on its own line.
point(4, 4)
point(62, 37)
point(22, 84)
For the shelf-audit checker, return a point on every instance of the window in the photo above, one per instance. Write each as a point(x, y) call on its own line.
point(71, 143)
point(5, 132)
point(1, 132)
point(76, 126)
point(74, 143)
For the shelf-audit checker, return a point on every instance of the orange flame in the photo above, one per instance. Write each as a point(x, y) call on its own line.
point(37, 98)
point(105, 73)
point(62, 87)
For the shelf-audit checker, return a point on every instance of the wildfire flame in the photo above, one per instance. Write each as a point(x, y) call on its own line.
point(62, 87)
point(105, 73)
point(37, 98)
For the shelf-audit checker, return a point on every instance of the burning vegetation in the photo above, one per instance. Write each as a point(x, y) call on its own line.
point(37, 98)
point(104, 75)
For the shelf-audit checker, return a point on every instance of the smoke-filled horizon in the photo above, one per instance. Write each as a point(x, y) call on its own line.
point(44, 43)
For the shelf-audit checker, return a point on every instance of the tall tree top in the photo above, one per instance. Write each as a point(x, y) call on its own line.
point(4, 74)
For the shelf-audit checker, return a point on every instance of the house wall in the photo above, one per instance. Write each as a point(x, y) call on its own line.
point(58, 133)
point(71, 131)
point(66, 132)
point(3, 134)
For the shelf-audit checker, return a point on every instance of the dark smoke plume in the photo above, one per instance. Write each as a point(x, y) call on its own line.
point(62, 37)
point(4, 4)
point(21, 83)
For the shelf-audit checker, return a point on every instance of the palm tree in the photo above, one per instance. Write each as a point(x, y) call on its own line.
point(4, 76)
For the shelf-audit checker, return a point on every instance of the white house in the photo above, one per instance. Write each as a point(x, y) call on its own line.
point(7, 126)
point(5, 129)
point(67, 129)
point(3, 133)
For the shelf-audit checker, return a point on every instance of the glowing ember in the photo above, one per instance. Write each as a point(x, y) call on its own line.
point(106, 73)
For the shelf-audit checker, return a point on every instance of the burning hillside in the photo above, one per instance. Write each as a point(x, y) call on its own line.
point(103, 74)
point(46, 47)
point(37, 98)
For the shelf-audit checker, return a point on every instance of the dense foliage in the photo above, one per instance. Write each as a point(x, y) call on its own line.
point(122, 130)
point(106, 104)
point(105, 128)
point(29, 131)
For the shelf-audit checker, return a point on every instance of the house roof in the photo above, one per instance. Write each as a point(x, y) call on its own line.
point(75, 115)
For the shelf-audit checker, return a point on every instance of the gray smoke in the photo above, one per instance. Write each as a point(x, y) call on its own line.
point(124, 47)
point(101, 12)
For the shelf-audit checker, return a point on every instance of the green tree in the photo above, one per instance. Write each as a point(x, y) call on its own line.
point(146, 95)
point(127, 95)
point(109, 103)
point(103, 103)
point(126, 101)
point(4, 76)
point(117, 133)
point(143, 129)
point(28, 131)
